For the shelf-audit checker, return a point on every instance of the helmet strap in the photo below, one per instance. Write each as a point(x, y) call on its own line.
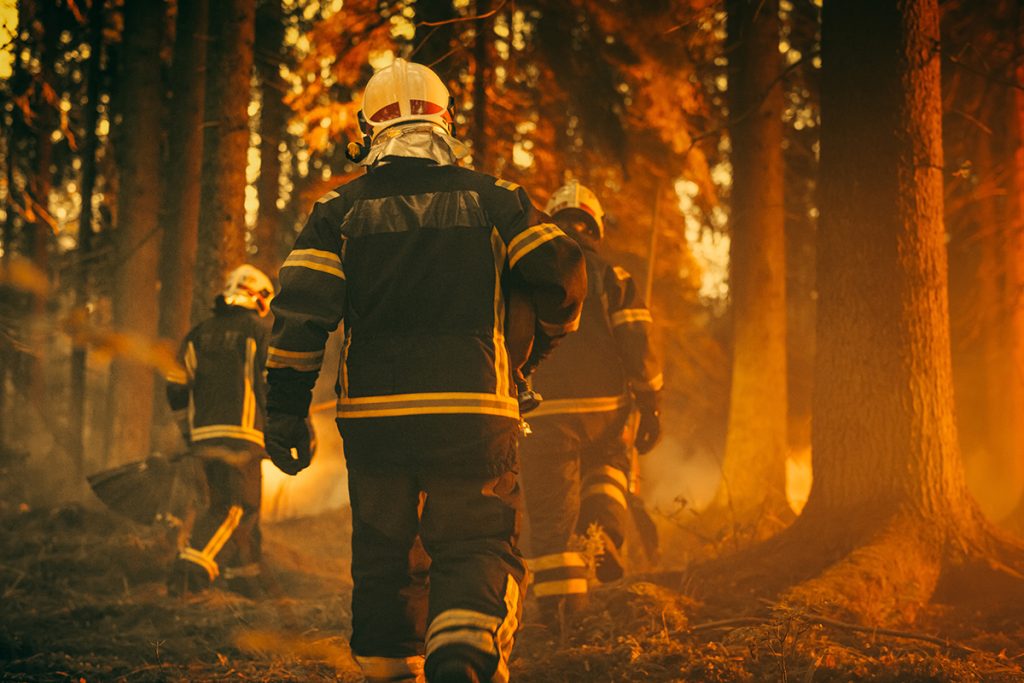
point(356, 151)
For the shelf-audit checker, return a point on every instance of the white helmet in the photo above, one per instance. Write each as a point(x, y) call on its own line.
point(573, 195)
point(405, 91)
point(248, 287)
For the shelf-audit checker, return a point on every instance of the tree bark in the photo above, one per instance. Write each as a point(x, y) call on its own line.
point(433, 42)
point(273, 121)
point(184, 169)
point(137, 242)
point(226, 144)
point(754, 468)
point(889, 522)
point(481, 77)
point(79, 378)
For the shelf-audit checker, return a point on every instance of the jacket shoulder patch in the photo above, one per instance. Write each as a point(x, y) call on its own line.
point(510, 186)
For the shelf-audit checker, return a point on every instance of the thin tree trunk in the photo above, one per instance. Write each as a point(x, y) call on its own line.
point(137, 241)
point(273, 121)
point(228, 93)
point(754, 468)
point(481, 77)
point(79, 386)
point(185, 165)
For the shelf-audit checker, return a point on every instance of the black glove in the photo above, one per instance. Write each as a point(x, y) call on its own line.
point(289, 442)
point(543, 344)
point(648, 431)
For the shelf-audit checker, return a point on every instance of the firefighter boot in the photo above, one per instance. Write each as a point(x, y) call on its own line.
point(454, 671)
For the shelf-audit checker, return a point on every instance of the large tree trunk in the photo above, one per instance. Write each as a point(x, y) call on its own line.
point(1014, 254)
point(273, 121)
point(85, 233)
point(184, 169)
point(754, 469)
point(137, 258)
point(889, 520)
point(228, 93)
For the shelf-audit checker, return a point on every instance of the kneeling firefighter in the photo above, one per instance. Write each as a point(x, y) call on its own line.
point(415, 258)
point(575, 466)
point(220, 404)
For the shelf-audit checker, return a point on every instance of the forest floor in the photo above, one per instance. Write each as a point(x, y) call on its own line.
point(82, 599)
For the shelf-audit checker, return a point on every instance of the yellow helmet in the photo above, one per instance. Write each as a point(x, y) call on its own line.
point(249, 287)
point(405, 91)
point(573, 195)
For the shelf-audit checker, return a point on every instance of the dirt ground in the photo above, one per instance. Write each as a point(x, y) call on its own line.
point(82, 599)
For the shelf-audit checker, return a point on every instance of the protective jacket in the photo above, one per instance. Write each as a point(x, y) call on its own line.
point(592, 371)
point(222, 391)
point(416, 257)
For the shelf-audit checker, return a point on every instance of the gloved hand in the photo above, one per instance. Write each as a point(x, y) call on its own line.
point(543, 344)
point(648, 431)
point(289, 442)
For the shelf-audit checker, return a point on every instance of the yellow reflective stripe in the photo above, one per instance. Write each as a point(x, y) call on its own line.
point(303, 361)
point(507, 631)
point(315, 259)
point(502, 370)
point(328, 197)
point(176, 375)
point(506, 184)
point(556, 561)
point(195, 557)
point(223, 533)
point(428, 404)
point(656, 383)
point(246, 570)
point(563, 587)
point(249, 401)
point(190, 361)
point(530, 239)
point(631, 315)
point(613, 473)
point(390, 668)
point(610, 490)
point(563, 406)
point(463, 618)
point(474, 638)
point(227, 432)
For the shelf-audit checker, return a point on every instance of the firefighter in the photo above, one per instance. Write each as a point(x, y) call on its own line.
point(219, 403)
point(576, 464)
point(416, 257)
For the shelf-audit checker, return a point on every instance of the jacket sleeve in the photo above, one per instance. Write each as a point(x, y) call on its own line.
point(544, 262)
point(308, 308)
point(179, 382)
point(631, 325)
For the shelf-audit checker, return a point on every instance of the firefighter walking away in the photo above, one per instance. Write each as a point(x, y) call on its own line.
point(219, 403)
point(415, 258)
point(576, 464)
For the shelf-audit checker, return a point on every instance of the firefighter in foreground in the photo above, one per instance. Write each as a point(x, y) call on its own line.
point(576, 464)
point(219, 403)
point(415, 257)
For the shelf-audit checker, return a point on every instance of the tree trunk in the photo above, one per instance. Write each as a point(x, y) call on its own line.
point(889, 521)
point(481, 77)
point(79, 384)
point(184, 169)
point(754, 469)
point(226, 145)
point(433, 42)
point(273, 121)
point(1014, 253)
point(137, 244)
